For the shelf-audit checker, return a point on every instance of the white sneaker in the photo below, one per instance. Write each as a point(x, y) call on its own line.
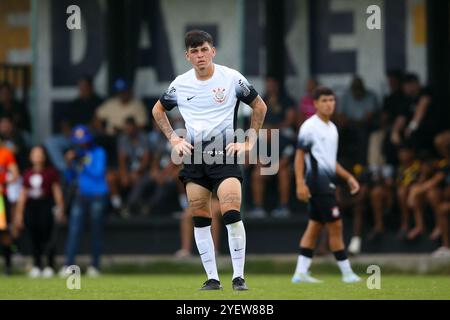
point(48, 273)
point(442, 252)
point(304, 278)
point(256, 213)
point(180, 254)
point(92, 272)
point(281, 213)
point(34, 273)
point(350, 277)
point(354, 247)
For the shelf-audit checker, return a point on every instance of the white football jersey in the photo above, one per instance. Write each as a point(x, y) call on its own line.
point(209, 107)
point(320, 141)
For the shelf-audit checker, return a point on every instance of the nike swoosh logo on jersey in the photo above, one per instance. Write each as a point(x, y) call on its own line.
point(238, 249)
point(189, 99)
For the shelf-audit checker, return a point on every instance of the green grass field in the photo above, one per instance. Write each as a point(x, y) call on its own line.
point(185, 286)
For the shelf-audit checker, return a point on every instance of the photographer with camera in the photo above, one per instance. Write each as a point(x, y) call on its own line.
point(86, 166)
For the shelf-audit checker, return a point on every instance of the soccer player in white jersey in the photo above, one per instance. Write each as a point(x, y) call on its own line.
point(208, 97)
point(317, 148)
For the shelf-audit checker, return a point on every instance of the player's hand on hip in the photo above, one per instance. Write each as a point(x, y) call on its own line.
point(237, 148)
point(353, 185)
point(181, 146)
point(303, 193)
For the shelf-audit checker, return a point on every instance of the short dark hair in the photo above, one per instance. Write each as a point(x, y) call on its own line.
point(130, 121)
point(395, 73)
point(406, 145)
point(86, 78)
point(195, 38)
point(322, 91)
point(410, 77)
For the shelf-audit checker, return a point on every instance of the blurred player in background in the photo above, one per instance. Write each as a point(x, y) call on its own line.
point(317, 147)
point(208, 96)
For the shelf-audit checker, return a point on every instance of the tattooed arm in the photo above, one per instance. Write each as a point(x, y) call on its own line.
point(180, 145)
point(258, 114)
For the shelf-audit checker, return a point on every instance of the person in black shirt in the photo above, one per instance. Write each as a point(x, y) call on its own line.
point(280, 115)
point(410, 115)
point(83, 107)
point(9, 107)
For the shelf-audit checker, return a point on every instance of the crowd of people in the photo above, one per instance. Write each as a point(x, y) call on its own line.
point(109, 154)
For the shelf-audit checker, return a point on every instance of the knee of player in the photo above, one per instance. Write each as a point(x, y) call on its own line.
point(224, 208)
point(202, 212)
point(231, 216)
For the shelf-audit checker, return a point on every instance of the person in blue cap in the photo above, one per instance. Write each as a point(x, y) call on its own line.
point(86, 166)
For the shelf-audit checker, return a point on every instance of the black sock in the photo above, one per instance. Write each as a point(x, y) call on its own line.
point(306, 252)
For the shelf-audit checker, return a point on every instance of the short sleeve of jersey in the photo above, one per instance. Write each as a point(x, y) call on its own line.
point(169, 99)
point(304, 140)
point(244, 90)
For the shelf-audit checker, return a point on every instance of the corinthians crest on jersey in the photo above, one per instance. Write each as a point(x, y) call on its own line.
point(219, 95)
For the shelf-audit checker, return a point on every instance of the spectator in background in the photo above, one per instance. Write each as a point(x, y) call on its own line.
point(8, 164)
point(382, 156)
point(280, 115)
point(381, 197)
point(442, 143)
point(408, 175)
point(111, 115)
point(81, 111)
point(408, 123)
point(355, 118)
point(381, 173)
point(83, 108)
point(391, 108)
point(13, 140)
point(41, 190)
point(161, 179)
point(11, 108)
point(393, 101)
point(358, 205)
point(306, 106)
point(87, 166)
point(134, 160)
point(109, 123)
point(444, 209)
point(431, 191)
